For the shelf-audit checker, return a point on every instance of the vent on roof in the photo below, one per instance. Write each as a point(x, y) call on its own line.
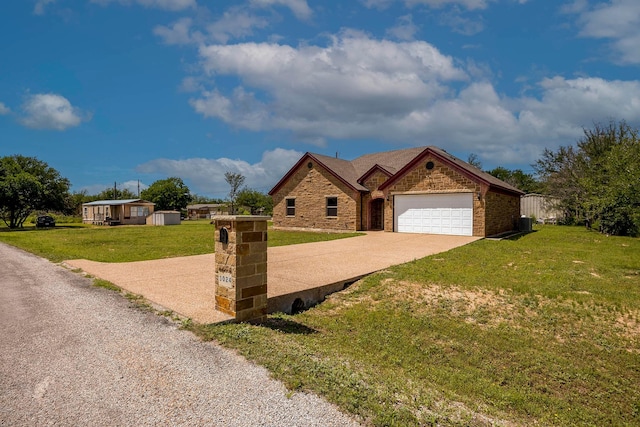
point(429, 165)
point(309, 165)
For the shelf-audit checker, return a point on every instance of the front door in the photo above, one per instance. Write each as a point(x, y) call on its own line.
point(377, 214)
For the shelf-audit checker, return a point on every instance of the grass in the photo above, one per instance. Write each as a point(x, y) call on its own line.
point(135, 243)
point(541, 330)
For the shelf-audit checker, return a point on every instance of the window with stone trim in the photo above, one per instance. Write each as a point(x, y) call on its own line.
point(291, 207)
point(332, 206)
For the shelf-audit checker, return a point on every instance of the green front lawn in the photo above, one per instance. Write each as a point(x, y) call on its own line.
point(135, 243)
point(542, 330)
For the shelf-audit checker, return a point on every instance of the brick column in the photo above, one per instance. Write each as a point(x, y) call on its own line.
point(241, 266)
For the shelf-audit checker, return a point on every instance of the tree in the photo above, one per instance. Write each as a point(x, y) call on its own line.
point(235, 181)
point(523, 181)
point(75, 201)
point(474, 160)
point(197, 198)
point(168, 194)
point(618, 198)
point(115, 194)
point(597, 182)
point(256, 201)
point(26, 185)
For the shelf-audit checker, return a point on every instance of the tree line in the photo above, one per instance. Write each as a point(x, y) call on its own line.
point(595, 182)
point(29, 185)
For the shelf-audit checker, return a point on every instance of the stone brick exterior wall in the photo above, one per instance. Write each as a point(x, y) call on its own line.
point(502, 213)
point(241, 267)
point(310, 188)
point(493, 212)
point(373, 181)
point(440, 179)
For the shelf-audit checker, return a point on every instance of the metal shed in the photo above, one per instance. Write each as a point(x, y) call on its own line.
point(541, 207)
point(164, 218)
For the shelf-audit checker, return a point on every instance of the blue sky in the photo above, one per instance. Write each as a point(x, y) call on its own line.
point(138, 90)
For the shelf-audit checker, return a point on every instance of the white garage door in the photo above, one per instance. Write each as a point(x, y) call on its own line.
point(434, 214)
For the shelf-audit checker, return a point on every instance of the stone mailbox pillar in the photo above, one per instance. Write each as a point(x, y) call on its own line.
point(241, 266)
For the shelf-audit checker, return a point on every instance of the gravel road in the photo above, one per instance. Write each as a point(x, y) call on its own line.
point(74, 354)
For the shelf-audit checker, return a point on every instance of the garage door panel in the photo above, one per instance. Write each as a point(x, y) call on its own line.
point(434, 213)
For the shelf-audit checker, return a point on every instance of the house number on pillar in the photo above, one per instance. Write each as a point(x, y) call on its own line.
point(225, 279)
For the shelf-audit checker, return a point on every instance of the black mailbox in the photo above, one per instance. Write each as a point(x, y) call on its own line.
point(224, 236)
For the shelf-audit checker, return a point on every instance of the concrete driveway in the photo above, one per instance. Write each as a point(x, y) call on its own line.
point(307, 271)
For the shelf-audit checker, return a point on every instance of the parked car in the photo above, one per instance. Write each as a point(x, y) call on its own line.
point(45, 221)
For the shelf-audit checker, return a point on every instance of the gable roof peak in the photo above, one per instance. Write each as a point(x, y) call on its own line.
point(395, 163)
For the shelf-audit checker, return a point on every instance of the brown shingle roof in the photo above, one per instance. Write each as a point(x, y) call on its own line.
point(396, 162)
point(391, 161)
point(342, 168)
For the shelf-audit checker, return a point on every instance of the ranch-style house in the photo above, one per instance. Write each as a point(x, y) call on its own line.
point(415, 190)
point(117, 212)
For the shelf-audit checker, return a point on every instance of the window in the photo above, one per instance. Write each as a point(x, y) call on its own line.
point(332, 206)
point(139, 211)
point(291, 207)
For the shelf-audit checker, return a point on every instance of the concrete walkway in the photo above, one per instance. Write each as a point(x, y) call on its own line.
point(307, 271)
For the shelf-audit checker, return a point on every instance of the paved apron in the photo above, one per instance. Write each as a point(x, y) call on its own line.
point(186, 284)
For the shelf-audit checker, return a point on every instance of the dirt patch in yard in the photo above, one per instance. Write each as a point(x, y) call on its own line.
point(489, 309)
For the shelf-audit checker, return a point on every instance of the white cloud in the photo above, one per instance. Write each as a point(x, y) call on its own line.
point(40, 6)
point(577, 6)
point(617, 20)
point(235, 23)
point(434, 4)
point(178, 33)
point(404, 29)
point(319, 92)
point(353, 75)
point(131, 185)
point(173, 5)
point(51, 111)
point(357, 87)
point(514, 130)
point(300, 8)
point(462, 24)
point(191, 84)
point(467, 4)
point(206, 176)
point(4, 109)
point(577, 102)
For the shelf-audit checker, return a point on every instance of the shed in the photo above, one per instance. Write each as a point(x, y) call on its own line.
point(164, 218)
point(542, 207)
point(207, 210)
